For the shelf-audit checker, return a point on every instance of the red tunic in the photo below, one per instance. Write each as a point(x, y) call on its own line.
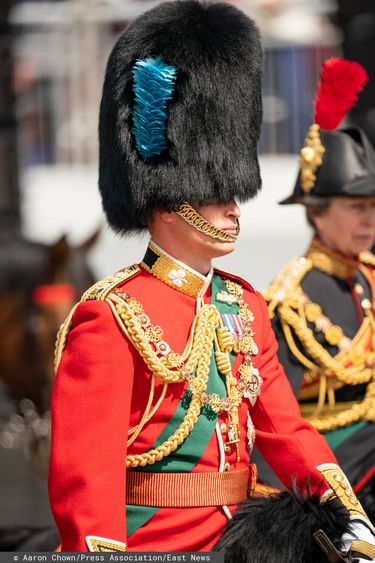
point(101, 391)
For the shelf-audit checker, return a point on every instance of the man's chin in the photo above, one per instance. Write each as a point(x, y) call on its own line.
point(222, 248)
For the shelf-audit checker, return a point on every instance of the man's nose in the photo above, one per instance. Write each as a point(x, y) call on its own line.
point(233, 210)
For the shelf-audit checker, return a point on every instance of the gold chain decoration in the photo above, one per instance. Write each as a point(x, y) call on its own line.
point(286, 285)
point(353, 365)
point(191, 366)
point(147, 338)
point(311, 157)
point(333, 333)
point(286, 294)
point(200, 345)
point(365, 410)
point(250, 381)
point(318, 352)
point(202, 225)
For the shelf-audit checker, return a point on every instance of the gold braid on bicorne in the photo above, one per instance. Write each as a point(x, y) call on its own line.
point(328, 372)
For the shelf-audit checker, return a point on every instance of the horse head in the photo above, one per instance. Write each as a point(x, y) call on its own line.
point(39, 284)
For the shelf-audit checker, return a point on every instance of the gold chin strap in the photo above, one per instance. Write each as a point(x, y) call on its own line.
point(201, 224)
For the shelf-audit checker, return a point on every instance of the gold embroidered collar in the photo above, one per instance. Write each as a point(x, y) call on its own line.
point(330, 262)
point(174, 273)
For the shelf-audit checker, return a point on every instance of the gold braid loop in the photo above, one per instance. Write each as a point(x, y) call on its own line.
point(287, 283)
point(203, 336)
point(225, 339)
point(206, 334)
point(354, 414)
point(223, 363)
point(317, 351)
point(192, 365)
point(206, 317)
point(364, 410)
point(170, 445)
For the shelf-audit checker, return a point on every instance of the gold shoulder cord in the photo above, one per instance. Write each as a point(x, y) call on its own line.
point(99, 291)
point(197, 354)
point(348, 367)
point(286, 284)
point(367, 258)
point(193, 365)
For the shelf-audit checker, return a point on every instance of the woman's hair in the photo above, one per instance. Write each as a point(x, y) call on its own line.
point(315, 207)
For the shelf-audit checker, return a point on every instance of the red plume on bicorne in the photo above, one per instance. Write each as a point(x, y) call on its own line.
point(341, 81)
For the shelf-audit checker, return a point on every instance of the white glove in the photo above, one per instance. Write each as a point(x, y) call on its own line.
point(361, 530)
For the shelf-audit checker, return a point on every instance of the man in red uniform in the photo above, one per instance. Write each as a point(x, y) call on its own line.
point(167, 370)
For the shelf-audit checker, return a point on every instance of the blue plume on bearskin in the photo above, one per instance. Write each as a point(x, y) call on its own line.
point(153, 86)
point(279, 528)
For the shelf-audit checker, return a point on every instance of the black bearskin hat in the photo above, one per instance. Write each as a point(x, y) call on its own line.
point(211, 55)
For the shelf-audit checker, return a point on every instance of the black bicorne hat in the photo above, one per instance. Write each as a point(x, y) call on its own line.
point(347, 169)
point(335, 162)
point(181, 112)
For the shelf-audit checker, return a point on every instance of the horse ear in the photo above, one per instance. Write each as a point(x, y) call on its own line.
point(58, 255)
point(60, 250)
point(87, 244)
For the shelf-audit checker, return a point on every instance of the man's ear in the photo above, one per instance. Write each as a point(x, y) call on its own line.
point(163, 216)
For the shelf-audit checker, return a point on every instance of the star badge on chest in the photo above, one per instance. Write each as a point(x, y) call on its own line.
point(253, 386)
point(226, 297)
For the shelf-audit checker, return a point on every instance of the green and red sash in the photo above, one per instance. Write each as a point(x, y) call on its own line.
point(188, 454)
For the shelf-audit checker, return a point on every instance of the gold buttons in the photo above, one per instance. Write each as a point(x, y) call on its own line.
point(227, 467)
point(358, 289)
point(366, 303)
point(223, 428)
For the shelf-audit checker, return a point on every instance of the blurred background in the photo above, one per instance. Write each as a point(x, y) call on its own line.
point(53, 238)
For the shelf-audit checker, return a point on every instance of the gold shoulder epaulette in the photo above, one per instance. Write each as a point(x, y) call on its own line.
point(368, 258)
point(101, 289)
point(286, 283)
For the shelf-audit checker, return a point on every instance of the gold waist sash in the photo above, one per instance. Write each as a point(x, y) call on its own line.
point(190, 489)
